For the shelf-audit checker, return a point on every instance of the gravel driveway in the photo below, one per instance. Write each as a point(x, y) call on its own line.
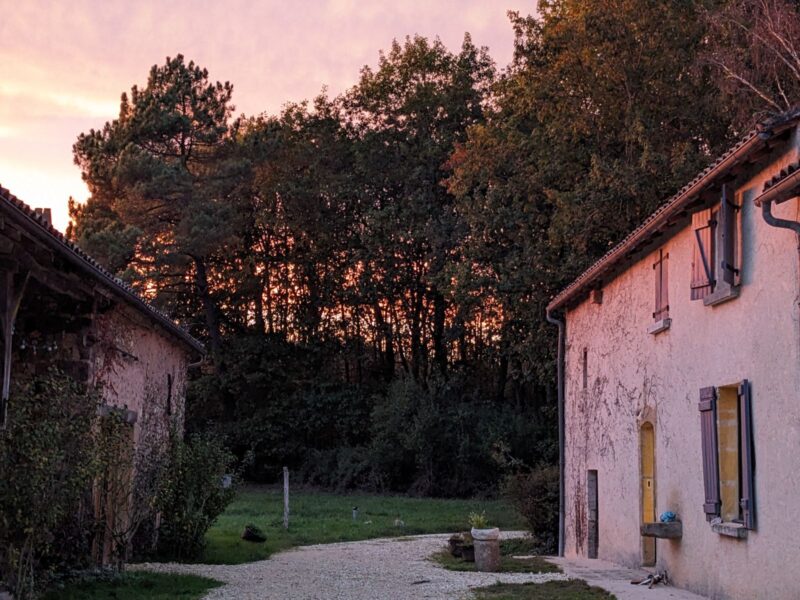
point(391, 569)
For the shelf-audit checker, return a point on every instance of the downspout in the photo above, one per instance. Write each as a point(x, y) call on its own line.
point(561, 457)
point(766, 212)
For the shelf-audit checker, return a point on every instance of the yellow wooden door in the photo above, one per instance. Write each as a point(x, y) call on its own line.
point(648, 469)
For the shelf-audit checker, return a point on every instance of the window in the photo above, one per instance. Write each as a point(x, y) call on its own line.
point(728, 460)
point(661, 320)
point(592, 493)
point(704, 224)
point(585, 368)
point(716, 258)
point(662, 288)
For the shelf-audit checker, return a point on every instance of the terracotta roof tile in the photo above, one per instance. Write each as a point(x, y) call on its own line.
point(785, 172)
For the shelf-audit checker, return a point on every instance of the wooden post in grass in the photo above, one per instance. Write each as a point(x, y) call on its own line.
point(286, 498)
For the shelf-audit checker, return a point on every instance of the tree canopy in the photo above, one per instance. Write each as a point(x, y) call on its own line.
point(371, 270)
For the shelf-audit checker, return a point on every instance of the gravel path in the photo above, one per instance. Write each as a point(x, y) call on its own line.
point(391, 569)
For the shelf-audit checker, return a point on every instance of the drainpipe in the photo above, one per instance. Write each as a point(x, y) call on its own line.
point(766, 212)
point(561, 458)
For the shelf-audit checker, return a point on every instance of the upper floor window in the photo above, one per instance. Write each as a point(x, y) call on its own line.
point(585, 368)
point(716, 258)
point(660, 267)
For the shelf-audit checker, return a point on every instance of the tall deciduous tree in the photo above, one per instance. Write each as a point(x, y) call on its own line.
point(303, 217)
point(600, 118)
point(754, 50)
point(407, 115)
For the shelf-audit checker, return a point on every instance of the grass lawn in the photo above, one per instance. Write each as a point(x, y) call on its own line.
point(508, 549)
point(574, 589)
point(137, 586)
point(318, 518)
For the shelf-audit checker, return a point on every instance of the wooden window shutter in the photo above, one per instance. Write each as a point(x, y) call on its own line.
point(708, 434)
point(703, 227)
point(746, 456)
point(729, 230)
point(662, 295)
point(665, 286)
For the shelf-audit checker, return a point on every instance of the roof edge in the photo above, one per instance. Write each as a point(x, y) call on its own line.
point(33, 224)
point(752, 141)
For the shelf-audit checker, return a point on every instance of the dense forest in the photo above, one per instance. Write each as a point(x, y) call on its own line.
point(370, 270)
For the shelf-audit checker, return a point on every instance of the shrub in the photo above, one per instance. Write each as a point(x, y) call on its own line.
point(439, 439)
point(47, 464)
point(338, 469)
point(192, 493)
point(534, 493)
point(125, 506)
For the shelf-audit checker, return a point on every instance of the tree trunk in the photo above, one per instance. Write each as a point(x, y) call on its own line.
point(439, 347)
point(210, 311)
point(312, 317)
point(385, 332)
point(502, 378)
point(416, 333)
point(259, 304)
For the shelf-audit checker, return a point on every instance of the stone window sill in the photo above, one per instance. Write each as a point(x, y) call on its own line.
point(670, 531)
point(659, 326)
point(734, 530)
point(723, 293)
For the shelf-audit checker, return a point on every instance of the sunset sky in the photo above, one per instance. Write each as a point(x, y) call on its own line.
point(63, 65)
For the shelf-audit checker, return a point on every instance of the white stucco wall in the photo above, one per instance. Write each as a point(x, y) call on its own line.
point(634, 376)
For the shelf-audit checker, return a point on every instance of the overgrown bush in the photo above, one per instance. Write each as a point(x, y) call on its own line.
point(192, 494)
point(128, 480)
point(434, 437)
point(439, 439)
point(66, 481)
point(287, 407)
point(339, 469)
point(47, 464)
point(534, 493)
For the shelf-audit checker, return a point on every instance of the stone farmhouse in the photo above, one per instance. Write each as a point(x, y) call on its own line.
point(58, 307)
point(680, 382)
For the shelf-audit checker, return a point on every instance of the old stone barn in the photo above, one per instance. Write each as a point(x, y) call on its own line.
point(59, 308)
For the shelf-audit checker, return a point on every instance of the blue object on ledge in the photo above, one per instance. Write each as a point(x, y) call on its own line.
point(667, 517)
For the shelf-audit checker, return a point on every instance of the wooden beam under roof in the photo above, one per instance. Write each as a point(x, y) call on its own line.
point(12, 288)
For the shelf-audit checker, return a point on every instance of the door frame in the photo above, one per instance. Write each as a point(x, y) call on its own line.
point(647, 476)
point(593, 513)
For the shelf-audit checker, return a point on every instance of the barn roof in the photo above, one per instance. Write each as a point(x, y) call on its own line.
point(37, 226)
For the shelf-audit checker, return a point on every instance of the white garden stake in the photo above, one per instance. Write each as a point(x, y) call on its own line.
point(286, 498)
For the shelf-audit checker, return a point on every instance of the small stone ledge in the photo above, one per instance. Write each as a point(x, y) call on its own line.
point(723, 293)
point(734, 530)
point(659, 326)
point(671, 531)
